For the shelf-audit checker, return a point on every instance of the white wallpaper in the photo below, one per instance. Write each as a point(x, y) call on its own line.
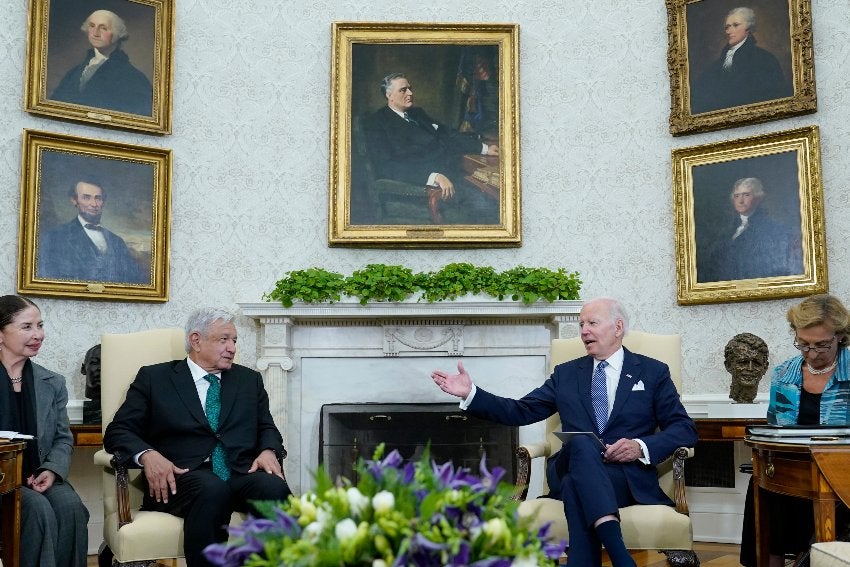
point(250, 139)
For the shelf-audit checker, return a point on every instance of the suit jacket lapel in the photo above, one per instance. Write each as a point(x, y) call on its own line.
point(629, 376)
point(184, 385)
point(229, 390)
point(585, 376)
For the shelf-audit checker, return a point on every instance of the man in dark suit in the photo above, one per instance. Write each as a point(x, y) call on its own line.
point(627, 399)
point(194, 467)
point(743, 74)
point(753, 245)
point(405, 144)
point(82, 249)
point(105, 78)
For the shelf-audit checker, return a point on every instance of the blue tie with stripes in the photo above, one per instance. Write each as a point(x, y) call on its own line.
point(599, 396)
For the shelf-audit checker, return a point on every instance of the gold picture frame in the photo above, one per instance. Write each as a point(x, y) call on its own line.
point(69, 185)
point(379, 196)
point(66, 76)
point(780, 250)
point(770, 75)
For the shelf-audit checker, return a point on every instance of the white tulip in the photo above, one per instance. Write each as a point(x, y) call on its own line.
point(383, 501)
point(345, 529)
point(356, 500)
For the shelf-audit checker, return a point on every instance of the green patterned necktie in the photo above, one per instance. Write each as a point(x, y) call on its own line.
point(219, 459)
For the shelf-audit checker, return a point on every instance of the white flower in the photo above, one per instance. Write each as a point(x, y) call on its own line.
point(312, 531)
point(356, 501)
point(496, 528)
point(324, 515)
point(379, 563)
point(524, 562)
point(383, 501)
point(345, 529)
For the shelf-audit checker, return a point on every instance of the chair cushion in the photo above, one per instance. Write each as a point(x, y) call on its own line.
point(830, 554)
point(150, 536)
point(644, 526)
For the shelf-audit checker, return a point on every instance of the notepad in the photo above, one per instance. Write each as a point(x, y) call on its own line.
point(567, 436)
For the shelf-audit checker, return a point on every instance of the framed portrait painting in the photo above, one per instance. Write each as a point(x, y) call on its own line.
point(108, 63)
point(424, 135)
point(749, 219)
point(94, 219)
point(734, 63)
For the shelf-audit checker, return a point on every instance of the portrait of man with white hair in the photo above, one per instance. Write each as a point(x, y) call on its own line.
point(105, 78)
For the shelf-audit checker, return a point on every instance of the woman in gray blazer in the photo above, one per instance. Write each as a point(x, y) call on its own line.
point(33, 400)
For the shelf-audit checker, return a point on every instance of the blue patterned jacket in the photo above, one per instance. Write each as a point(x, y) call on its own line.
point(787, 382)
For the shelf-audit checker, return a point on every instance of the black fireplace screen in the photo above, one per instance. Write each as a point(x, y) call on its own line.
point(348, 432)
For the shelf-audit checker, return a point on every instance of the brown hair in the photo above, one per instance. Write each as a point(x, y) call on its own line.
point(11, 305)
point(822, 309)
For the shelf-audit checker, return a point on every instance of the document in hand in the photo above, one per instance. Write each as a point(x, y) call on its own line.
point(567, 436)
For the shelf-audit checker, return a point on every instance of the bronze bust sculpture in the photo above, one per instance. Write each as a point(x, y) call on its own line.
point(91, 370)
point(745, 358)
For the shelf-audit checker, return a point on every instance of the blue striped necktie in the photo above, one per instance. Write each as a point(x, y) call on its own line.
point(599, 396)
point(213, 405)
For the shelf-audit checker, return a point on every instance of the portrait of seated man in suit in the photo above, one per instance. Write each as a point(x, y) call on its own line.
point(744, 73)
point(627, 399)
point(83, 249)
point(105, 78)
point(752, 244)
point(406, 144)
point(202, 430)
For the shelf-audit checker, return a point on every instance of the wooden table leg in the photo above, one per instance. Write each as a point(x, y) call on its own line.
point(761, 515)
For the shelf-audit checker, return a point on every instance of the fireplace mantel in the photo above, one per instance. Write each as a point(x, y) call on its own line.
point(312, 354)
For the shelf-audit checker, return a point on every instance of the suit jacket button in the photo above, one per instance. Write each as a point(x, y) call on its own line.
point(218, 435)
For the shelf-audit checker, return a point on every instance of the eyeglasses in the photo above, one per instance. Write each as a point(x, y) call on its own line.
point(817, 348)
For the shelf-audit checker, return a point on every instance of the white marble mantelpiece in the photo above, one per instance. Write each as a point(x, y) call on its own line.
point(315, 354)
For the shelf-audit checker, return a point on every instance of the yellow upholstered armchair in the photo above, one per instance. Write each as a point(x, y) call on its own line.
point(658, 527)
point(133, 537)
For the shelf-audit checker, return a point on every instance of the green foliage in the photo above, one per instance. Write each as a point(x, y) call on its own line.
point(456, 279)
point(530, 284)
point(310, 286)
point(381, 282)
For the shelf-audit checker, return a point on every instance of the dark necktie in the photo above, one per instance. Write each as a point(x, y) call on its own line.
point(219, 459)
point(599, 396)
point(94, 227)
point(410, 119)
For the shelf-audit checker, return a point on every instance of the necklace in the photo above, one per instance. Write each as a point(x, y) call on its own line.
point(17, 380)
point(822, 370)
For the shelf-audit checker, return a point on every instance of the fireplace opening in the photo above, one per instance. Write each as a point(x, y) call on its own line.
point(348, 432)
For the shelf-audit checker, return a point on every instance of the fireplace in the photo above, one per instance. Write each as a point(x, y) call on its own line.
point(348, 432)
point(313, 356)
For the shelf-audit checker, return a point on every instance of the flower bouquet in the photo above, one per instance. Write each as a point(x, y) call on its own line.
point(399, 514)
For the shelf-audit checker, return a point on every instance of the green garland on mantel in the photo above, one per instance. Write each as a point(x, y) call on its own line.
point(382, 282)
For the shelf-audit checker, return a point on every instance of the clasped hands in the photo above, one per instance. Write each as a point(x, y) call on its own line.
point(161, 473)
point(42, 481)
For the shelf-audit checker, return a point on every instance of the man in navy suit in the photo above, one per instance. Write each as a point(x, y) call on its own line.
point(83, 249)
point(194, 469)
point(642, 423)
point(406, 144)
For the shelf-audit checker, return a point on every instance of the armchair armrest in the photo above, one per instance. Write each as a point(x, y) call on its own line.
point(122, 482)
point(524, 454)
point(679, 456)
